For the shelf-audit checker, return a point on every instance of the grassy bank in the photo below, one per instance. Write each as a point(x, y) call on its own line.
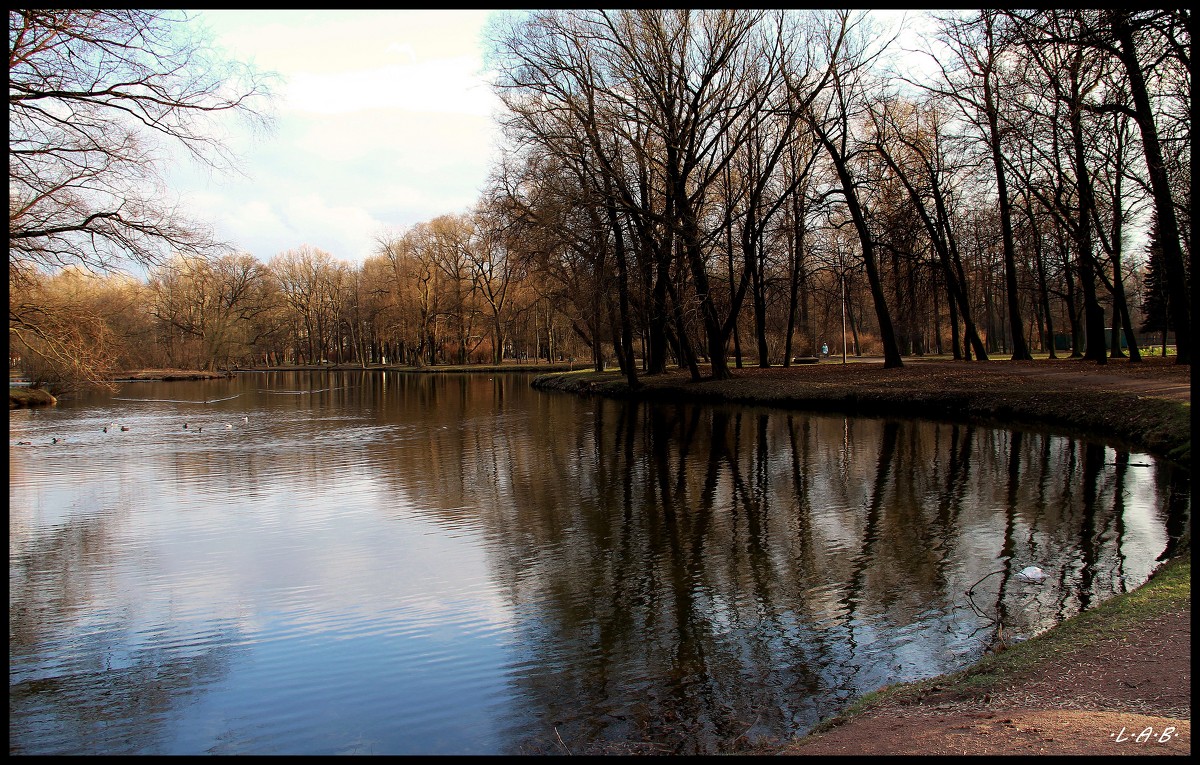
point(19, 397)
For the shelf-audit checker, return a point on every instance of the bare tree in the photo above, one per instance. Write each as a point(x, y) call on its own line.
point(974, 81)
point(63, 334)
point(96, 99)
point(1152, 47)
point(307, 280)
point(833, 112)
point(911, 142)
point(214, 301)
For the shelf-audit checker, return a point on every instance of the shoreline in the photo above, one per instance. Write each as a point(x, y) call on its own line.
point(1068, 397)
point(21, 396)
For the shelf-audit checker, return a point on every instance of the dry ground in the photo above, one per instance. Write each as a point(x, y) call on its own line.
point(1095, 701)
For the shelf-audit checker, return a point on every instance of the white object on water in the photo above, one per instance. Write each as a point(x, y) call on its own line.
point(1031, 574)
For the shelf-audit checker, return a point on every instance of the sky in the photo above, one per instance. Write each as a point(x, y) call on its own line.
point(382, 119)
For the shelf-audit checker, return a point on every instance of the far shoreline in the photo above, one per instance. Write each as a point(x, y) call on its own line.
point(23, 396)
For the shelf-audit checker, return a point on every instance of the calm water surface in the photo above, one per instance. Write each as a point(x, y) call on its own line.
point(443, 564)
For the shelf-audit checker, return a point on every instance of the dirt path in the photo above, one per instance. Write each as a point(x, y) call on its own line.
point(1129, 694)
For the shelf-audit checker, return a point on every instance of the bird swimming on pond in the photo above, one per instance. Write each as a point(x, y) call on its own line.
point(185, 426)
point(1031, 574)
point(124, 428)
point(105, 428)
point(245, 419)
point(228, 426)
point(24, 443)
point(54, 440)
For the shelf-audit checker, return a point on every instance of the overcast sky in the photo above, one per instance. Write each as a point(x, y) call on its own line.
point(383, 119)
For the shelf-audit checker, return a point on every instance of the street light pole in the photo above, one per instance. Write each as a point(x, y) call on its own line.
point(843, 318)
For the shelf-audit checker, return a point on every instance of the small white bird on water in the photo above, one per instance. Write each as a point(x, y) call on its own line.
point(1031, 574)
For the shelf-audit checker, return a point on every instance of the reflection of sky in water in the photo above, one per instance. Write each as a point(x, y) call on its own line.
point(297, 691)
point(467, 566)
point(340, 592)
point(354, 617)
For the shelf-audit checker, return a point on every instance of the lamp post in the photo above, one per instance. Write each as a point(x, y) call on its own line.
point(843, 317)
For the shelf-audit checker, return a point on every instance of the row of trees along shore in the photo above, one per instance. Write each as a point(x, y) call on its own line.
point(676, 187)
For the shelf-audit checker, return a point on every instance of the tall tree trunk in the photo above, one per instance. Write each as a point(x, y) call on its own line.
point(1020, 347)
point(656, 329)
point(792, 294)
point(1164, 206)
point(1043, 290)
point(752, 247)
point(626, 333)
point(1093, 312)
point(686, 352)
point(887, 334)
point(1121, 322)
point(954, 339)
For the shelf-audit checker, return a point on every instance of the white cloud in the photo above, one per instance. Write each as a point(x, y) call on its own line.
point(383, 121)
point(445, 85)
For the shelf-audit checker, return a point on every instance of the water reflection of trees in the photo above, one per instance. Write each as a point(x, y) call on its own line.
point(705, 575)
point(688, 578)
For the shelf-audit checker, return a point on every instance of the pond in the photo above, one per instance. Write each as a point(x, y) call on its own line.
point(398, 563)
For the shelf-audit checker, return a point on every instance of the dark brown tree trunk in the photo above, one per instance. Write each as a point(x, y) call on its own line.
point(1093, 312)
point(1164, 205)
point(1020, 347)
point(625, 339)
point(887, 334)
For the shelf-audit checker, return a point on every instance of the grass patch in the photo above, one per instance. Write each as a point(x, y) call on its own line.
point(23, 397)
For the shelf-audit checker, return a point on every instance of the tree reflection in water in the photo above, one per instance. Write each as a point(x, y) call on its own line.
point(743, 573)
